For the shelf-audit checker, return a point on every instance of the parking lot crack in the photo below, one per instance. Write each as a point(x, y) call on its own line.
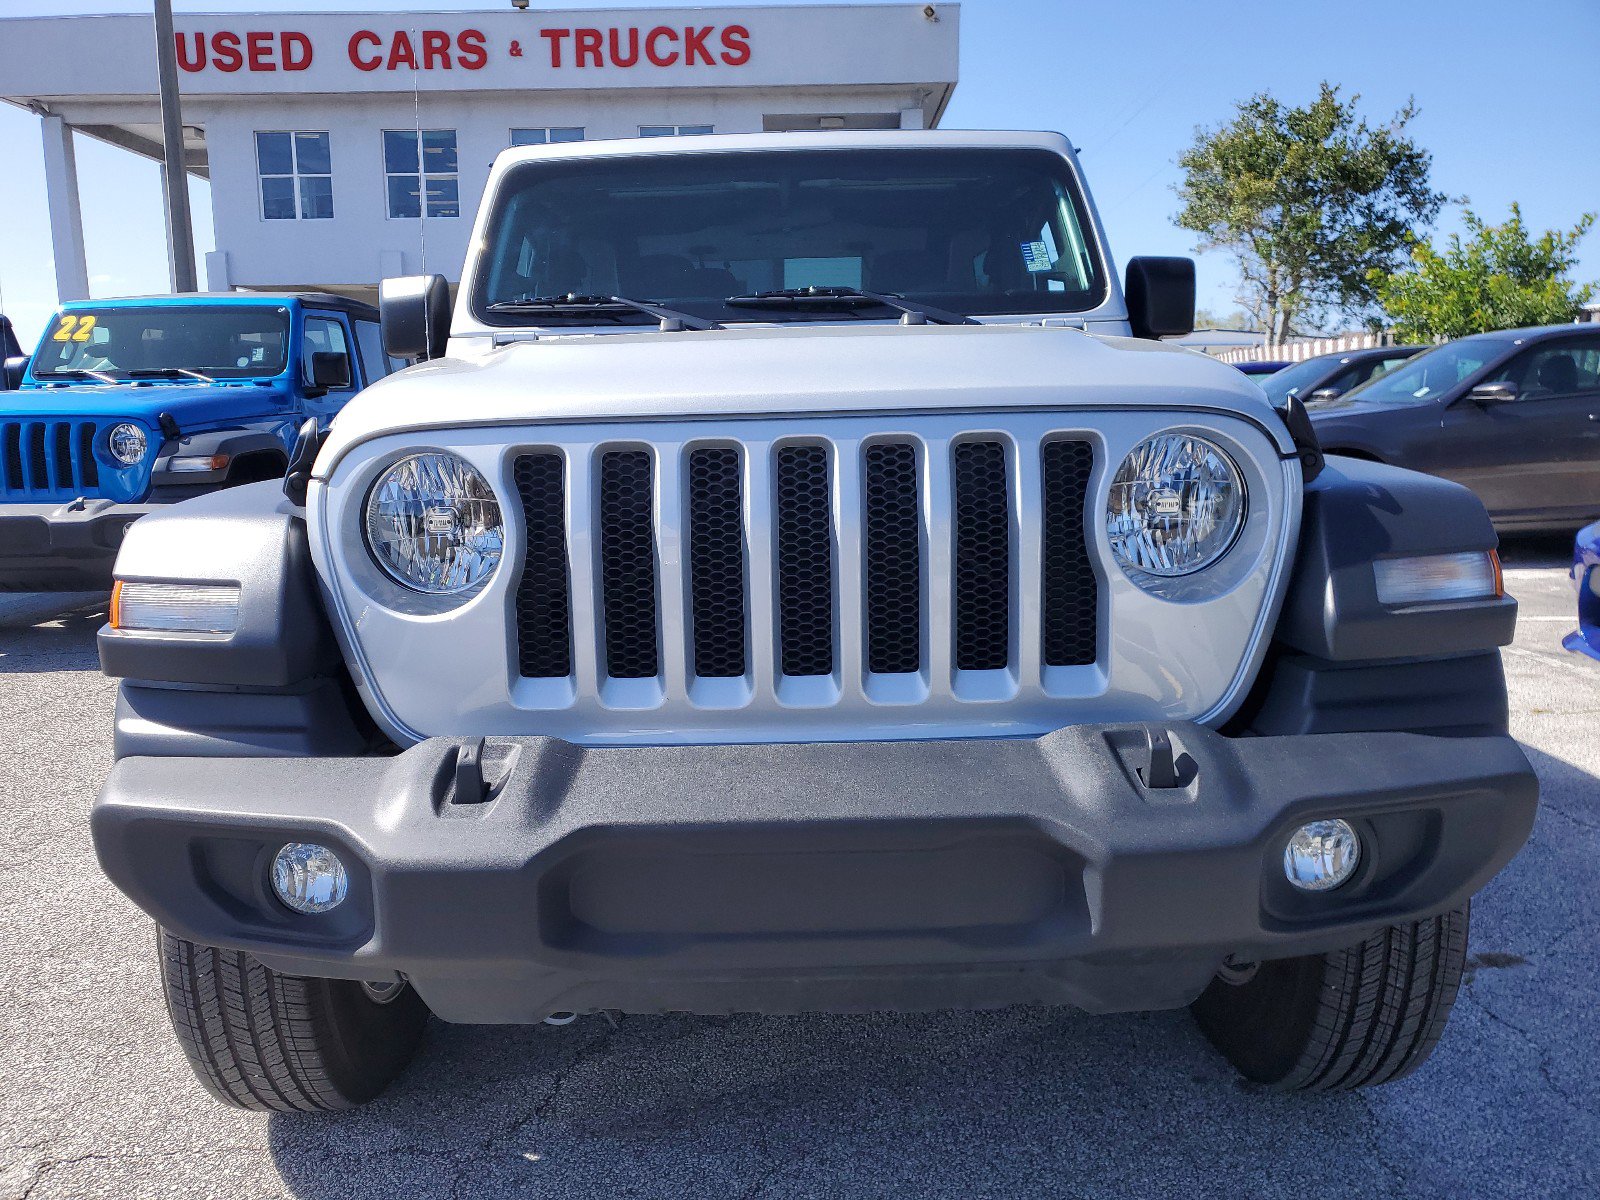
point(1528, 1039)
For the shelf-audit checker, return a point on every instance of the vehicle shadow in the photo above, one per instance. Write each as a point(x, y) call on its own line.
point(50, 631)
point(1536, 549)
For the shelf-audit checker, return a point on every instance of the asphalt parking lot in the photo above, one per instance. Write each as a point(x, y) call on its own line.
point(95, 1099)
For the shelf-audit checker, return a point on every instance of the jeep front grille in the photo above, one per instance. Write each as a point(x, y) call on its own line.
point(890, 556)
point(50, 458)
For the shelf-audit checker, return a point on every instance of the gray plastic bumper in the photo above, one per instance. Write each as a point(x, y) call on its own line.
point(61, 547)
point(834, 877)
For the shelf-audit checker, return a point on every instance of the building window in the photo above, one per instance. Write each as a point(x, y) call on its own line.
point(541, 137)
point(296, 171)
point(420, 170)
point(672, 130)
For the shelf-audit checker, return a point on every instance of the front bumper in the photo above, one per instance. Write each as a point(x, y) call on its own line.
point(63, 547)
point(836, 877)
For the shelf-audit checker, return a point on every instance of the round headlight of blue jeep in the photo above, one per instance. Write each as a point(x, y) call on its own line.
point(433, 524)
point(127, 444)
point(1177, 505)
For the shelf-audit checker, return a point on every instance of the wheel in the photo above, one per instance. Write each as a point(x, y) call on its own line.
point(1349, 1019)
point(270, 1042)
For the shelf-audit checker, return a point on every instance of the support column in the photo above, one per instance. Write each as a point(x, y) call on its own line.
point(66, 217)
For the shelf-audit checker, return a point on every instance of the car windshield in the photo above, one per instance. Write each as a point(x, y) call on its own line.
point(1293, 380)
point(231, 341)
point(970, 230)
point(1429, 374)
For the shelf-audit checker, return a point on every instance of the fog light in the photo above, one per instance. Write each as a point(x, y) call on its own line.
point(309, 878)
point(1322, 855)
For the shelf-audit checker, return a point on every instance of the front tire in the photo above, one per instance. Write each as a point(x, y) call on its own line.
point(1352, 1018)
point(269, 1042)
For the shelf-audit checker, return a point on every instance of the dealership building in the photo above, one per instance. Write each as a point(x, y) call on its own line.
point(342, 148)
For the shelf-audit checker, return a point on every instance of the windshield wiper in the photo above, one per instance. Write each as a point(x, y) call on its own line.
point(825, 298)
point(83, 373)
point(168, 373)
point(576, 305)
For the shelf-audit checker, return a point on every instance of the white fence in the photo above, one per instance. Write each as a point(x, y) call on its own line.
point(1304, 348)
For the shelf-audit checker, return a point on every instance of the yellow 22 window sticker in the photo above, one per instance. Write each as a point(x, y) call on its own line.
point(74, 328)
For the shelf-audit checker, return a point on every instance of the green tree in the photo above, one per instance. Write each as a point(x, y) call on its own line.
point(1309, 201)
point(1495, 277)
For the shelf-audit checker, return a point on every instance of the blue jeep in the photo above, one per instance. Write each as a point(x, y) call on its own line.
point(131, 404)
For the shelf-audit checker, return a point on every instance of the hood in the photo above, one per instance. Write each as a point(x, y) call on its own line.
point(794, 370)
point(1355, 406)
point(193, 406)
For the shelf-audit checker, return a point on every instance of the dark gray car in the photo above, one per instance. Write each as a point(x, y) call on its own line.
point(1513, 415)
point(1329, 376)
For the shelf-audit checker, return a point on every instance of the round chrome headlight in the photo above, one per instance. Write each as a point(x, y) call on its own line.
point(1177, 504)
point(433, 524)
point(127, 444)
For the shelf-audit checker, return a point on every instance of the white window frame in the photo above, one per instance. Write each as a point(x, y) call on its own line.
point(422, 175)
point(549, 132)
point(294, 175)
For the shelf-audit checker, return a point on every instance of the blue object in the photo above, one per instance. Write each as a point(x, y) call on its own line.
point(1586, 579)
point(138, 402)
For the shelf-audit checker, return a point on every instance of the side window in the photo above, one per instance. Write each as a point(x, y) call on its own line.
point(373, 360)
point(322, 335)
point(1562, 368)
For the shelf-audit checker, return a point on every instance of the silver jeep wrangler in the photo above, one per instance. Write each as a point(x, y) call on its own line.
point(799, 578)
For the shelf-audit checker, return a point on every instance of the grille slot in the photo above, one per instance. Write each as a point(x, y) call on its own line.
point(982, 558)
point(544, 603)
point(628, 565)
point(13, 459)
point(716, 562)
point(893, 549)
point(38, 461)
point(805, 561)
point(1071, 593)
point(86, 464)
point(61, 444)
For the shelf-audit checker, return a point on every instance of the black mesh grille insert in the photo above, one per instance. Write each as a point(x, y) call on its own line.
point(544, 600)
point(628, 565)
point(38, 461)
point(13, 458)
point(893, 559)
point(716, 563)
point(86, 462)
point(1071, 592)
point(982, 558)
point(805, 561)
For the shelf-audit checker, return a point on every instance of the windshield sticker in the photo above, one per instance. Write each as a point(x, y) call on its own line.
point(74, 328)
point(1036, 257)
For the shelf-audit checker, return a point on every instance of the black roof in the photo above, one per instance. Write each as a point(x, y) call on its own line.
point(358, 308)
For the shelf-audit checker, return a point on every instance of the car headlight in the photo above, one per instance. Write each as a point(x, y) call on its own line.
point(433, 524)
point(127, 444)
point(1177, 505)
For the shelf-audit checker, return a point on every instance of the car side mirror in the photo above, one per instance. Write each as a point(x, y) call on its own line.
point(1323, 394)
point(330, 370)
point(414, 311)
point(1485, 394)
point(1160, 296)
point(11, 373)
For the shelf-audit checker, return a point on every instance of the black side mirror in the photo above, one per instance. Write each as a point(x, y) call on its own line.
point(330, 370)
point(1160, 296)
point(11, 373)
point(414, 311)
point(1486, 394)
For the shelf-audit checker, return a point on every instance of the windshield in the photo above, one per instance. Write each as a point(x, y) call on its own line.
point(1430, 374)
point(232, 341)
point(971, 230)
point(1292, 381)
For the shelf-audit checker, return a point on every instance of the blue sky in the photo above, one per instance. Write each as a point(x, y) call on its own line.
point(1507, 94)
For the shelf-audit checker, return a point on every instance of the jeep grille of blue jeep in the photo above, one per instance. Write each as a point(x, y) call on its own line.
point(49, 459)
